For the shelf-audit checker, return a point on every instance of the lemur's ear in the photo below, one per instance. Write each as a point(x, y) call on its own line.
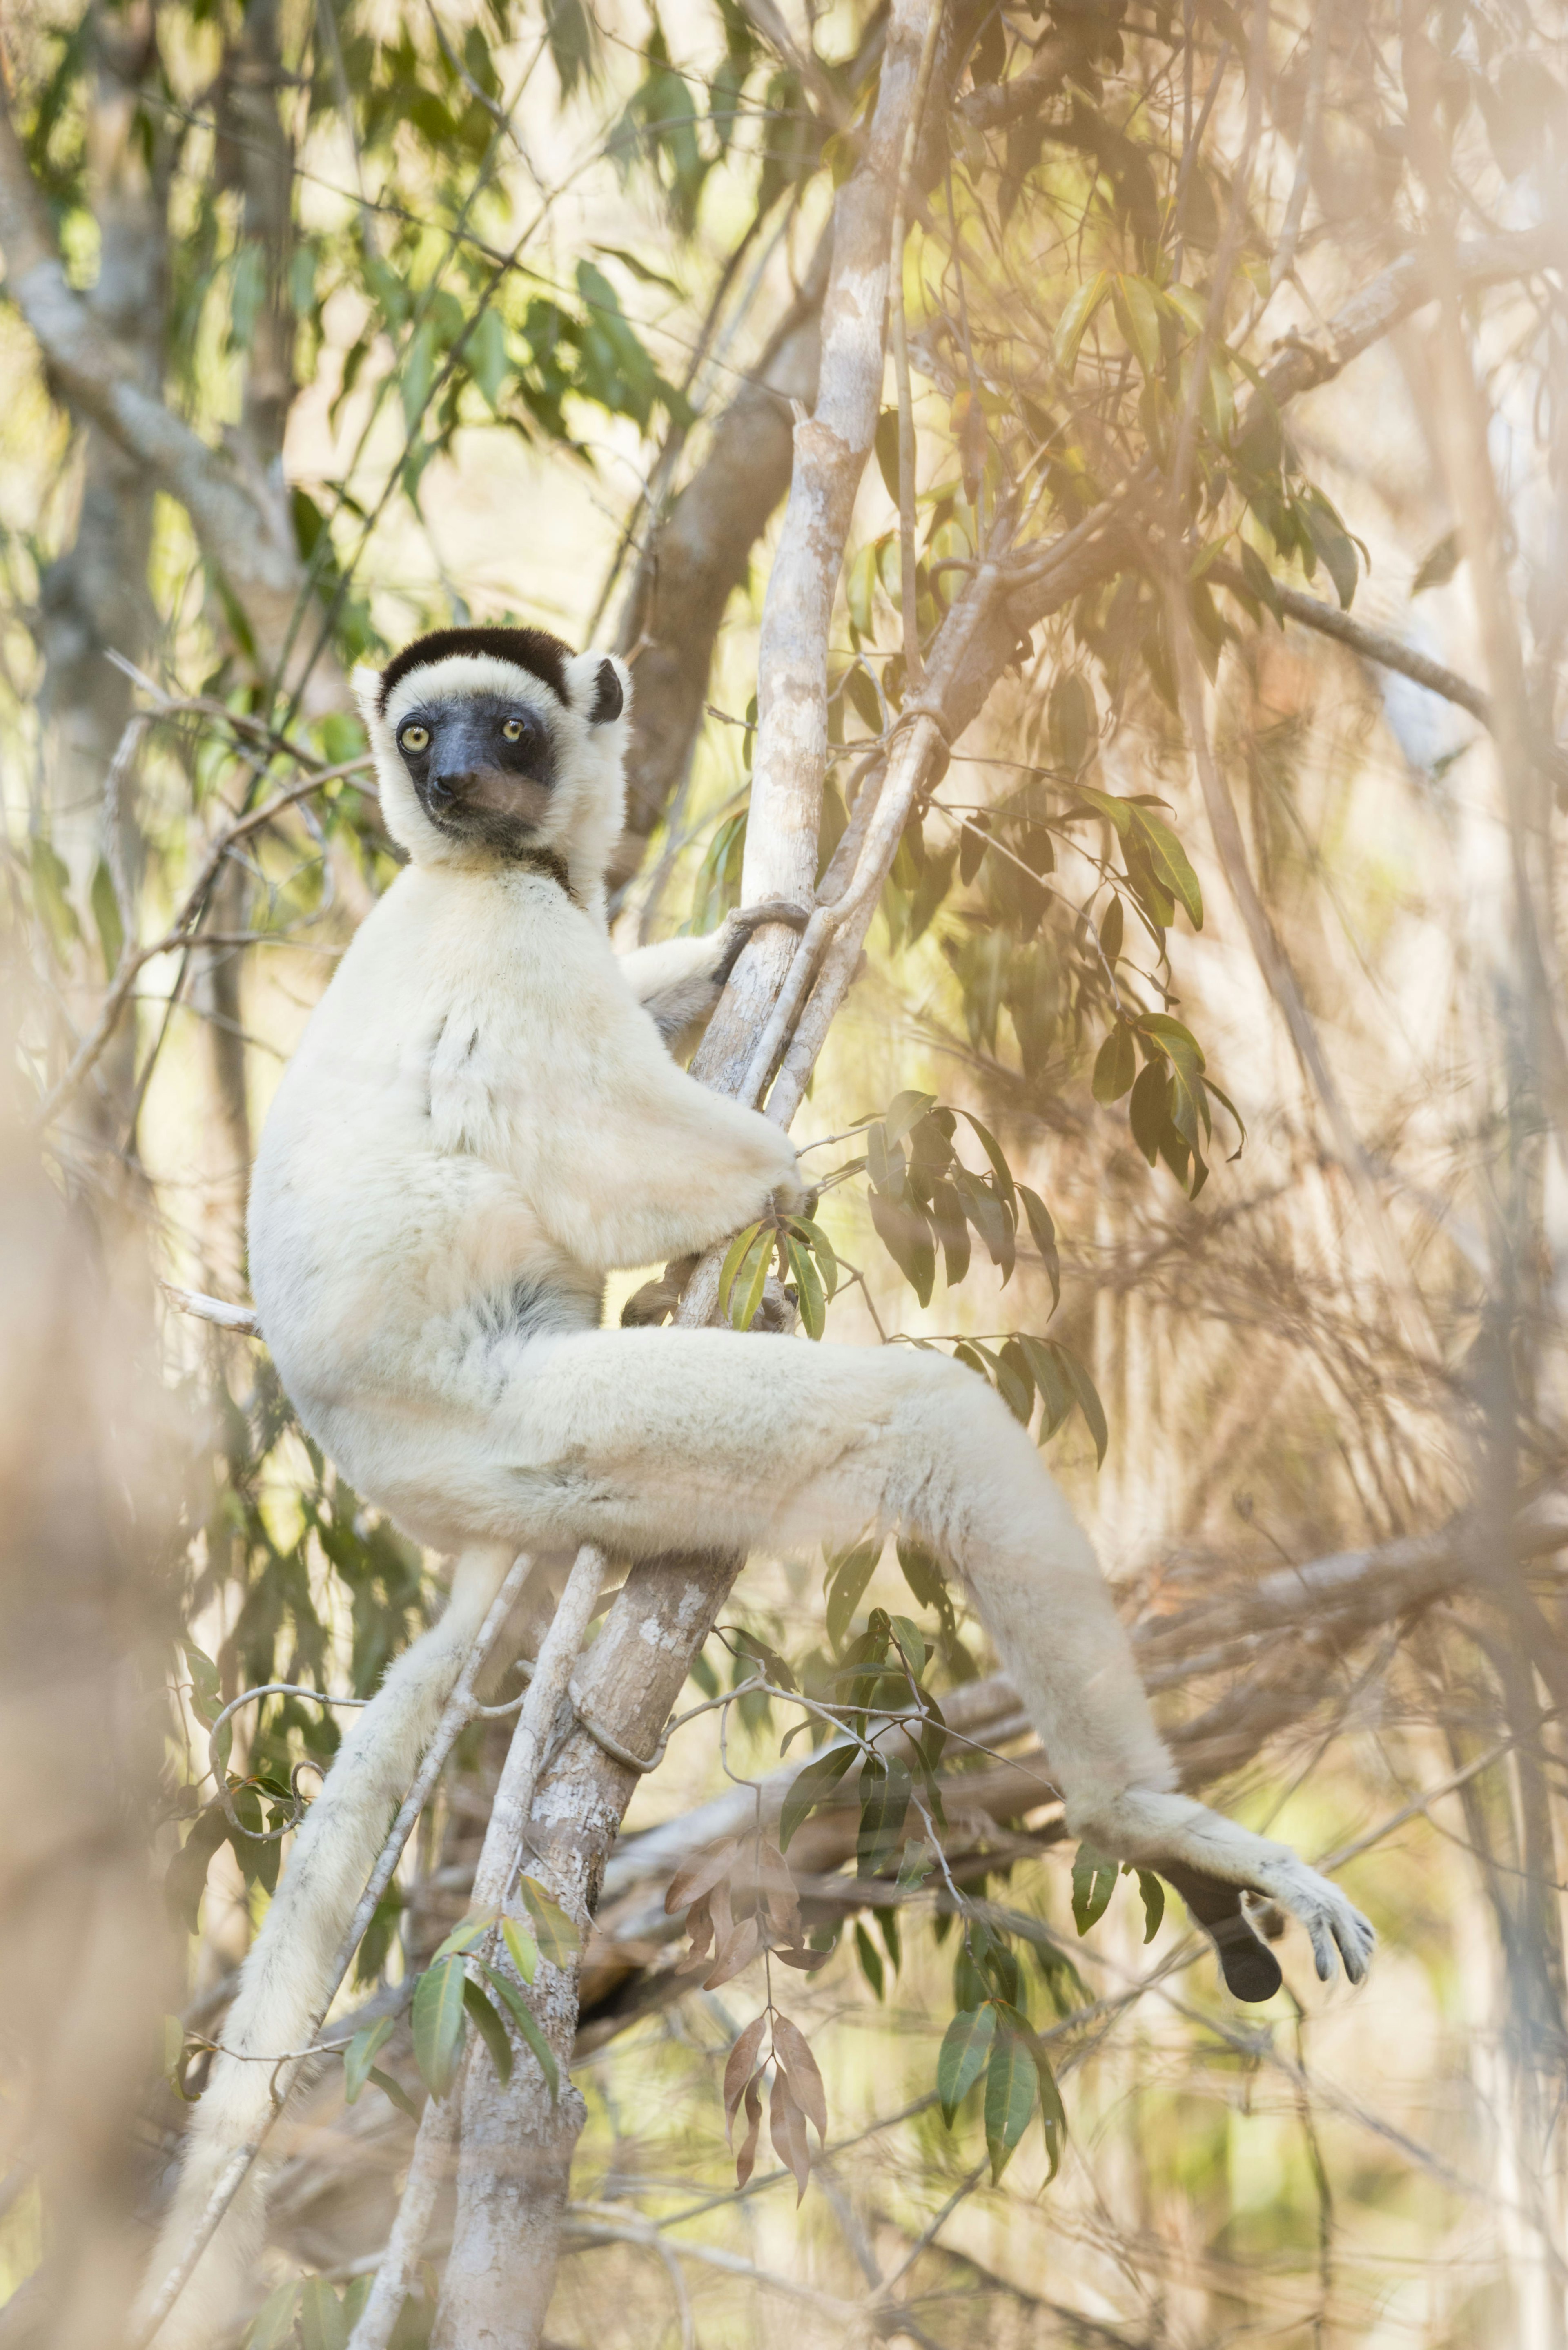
point(601, 687)
point(366, 687)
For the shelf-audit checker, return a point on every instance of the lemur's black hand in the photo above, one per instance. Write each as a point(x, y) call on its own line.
point(1249, 1966)
point(739, 926)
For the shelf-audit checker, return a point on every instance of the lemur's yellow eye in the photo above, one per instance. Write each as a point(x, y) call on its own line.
point(513, 730)
point(414, 738)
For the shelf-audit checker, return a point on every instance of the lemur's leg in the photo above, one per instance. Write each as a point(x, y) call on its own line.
point(652, 1440)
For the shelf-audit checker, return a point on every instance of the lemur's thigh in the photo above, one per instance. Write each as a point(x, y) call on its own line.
point(647, 1440)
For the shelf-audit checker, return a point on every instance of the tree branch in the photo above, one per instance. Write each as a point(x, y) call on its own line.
point(247, 538)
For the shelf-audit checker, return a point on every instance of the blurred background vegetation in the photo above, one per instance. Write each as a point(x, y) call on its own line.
point(326, 320)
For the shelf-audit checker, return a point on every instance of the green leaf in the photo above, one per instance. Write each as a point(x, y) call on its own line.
point(485, 352)
point(1332, 542)
point(993, 1150)
point(362, 2053)
point(106, 914)
point(1072, 324)
point(911, 1641)
point(1053, 2113)
point(1072, 722)
point(870, 1959)
point(965, 2046)
point(906, 1233)
point(523, 1948)
point(923, 1574)
point(1042, 1230)
point(904, 1114)
point(1153, 1891)
point(398, 2094)
point(1089, 1404)
point(821, 1247)
point(418, 375)
point(738, 1249)
point(887, 455)
point(206, 1690)
point(885, 1789)
point(527, 2024)
point(322, 2325)
point(1147, 1110)
point(1137, 316)
point(1171, 862)
point(814, 1785)
point(946, 1211)
point(438, 2020)
point(1115, 1064)
point(1056, 1394)
point(1260, 581)
point(850, 1576)
point(490, 2028)
point(465, 1935)
point(273, 2324)
point(1010, 2091)
point(558, 1940)
point(1094, 1882)
point(808, 1288)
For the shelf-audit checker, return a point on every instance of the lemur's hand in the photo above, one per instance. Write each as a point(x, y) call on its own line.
point(738, 928)
point(1211, 1862)
point(792, 1200)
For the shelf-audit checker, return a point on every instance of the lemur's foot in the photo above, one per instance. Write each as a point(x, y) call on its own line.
point(1194, 1847)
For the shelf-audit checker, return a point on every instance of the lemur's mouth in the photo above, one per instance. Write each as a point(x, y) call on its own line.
point(481, 798)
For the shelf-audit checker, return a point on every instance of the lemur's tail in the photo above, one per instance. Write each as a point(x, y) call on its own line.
point(287, 1976)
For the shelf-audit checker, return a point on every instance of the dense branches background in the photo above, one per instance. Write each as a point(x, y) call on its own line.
point(1203, 1084)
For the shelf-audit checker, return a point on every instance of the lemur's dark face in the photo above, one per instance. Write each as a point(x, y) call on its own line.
point(483, 767)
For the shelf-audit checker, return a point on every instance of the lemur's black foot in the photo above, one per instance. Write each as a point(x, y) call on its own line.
point(1251, 1969)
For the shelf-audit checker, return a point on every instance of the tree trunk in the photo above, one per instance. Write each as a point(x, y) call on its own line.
point(93, 598)
point(515, 2150)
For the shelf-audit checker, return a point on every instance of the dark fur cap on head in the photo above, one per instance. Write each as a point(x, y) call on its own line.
point(534, 650)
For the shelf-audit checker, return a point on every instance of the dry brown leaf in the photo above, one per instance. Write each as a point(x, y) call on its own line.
point(724, 1916)
point(745, 2160)
point(806, 1961)
point(793, 2050)
point(786, 2127)
point(699, 1876)
point(700, 1926)
point(737, 1952)
point(742, 2063)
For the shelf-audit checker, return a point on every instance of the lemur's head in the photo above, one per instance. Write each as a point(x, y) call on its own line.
point(495, 745)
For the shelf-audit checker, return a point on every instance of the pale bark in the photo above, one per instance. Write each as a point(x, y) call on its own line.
point(831, 446)
point(439, 2125)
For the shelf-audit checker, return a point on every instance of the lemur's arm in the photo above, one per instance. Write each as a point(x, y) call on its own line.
point(624, 1158)
point(680, 981)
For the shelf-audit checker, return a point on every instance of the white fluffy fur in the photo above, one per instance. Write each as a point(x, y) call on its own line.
point(481, 1123)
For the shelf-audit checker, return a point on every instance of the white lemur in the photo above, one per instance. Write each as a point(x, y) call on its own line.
point(482, 1122)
